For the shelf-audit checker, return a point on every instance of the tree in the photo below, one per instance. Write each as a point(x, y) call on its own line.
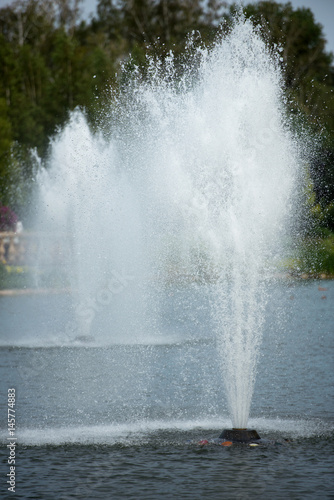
point(309, 74)
point(48, 60)
point(52, 62)
point(309, 80)
point(159, 24)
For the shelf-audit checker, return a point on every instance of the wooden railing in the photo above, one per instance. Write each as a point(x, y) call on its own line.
point(30, 248)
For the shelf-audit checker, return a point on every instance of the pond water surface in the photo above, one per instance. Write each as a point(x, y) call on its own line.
point(107, 418)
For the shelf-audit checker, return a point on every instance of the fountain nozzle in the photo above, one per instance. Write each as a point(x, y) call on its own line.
point(239, 435)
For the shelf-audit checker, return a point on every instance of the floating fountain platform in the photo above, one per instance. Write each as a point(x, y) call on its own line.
point(239, 435)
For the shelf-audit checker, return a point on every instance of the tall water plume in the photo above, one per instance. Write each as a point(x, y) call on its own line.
point(191, 178)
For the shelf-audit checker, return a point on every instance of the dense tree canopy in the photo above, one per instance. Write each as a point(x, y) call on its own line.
point(51, 61)
point(307, 65)
point(309, 78)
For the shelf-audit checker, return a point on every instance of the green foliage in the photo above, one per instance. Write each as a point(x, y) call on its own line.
point(14, 277)
point(306, 65)
point(323, 175)
point(316, 255)
point(329, 216)
point(5, 127)
point(48, 64)
point(17, 173)
point(157, 25)
point(23, 277)
point(52, 62)
point(309, 80)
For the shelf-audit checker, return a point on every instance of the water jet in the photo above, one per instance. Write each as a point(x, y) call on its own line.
point(190, 180)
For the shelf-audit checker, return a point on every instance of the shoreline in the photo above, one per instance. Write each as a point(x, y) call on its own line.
point(53, 291)
point(33, 291)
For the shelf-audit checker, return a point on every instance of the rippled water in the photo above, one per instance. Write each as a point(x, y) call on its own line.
point(123, 420)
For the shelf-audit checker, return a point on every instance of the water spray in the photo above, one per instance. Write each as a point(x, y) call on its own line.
point(195, 175)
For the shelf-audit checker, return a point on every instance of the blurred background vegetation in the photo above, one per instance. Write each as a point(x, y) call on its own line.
point(52, 62)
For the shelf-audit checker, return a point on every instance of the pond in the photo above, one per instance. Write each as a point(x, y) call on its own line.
point(111, 417)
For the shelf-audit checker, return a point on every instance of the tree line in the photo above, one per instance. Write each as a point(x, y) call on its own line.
point(53, 61)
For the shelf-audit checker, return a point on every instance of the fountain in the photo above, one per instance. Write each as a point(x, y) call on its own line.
point(190, 179)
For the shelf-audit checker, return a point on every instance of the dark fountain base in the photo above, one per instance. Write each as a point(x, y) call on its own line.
point(239, 435)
